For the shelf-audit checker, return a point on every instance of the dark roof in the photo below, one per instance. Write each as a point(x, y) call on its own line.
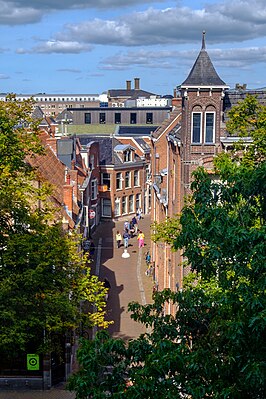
point(135, 130)
point(106, 145)
point(132, 93)
point(106, 148)
point(143, 145)
point(233, 97)
point(203, 72)
point(64, 115)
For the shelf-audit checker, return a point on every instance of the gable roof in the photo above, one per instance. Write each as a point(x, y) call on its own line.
point(123, 147)
point(203, 72)
point(168, 124)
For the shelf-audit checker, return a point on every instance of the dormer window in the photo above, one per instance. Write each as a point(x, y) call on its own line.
point(128, 156)
point(125, 152)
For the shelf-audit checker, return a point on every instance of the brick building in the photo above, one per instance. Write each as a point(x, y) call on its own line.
point(124, 167)
point(193, 135)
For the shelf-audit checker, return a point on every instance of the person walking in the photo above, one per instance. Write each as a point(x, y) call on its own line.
point(126, 237)
point(107, 285)
point(140, 238)
point(139, 214)
point(135, 224)
point(118, 238)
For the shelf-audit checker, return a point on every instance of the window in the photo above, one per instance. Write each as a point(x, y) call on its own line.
point(196, 127)
point(127, 156)
point(117, 207)
point(94, 189)
point(106, 207)
point(131, 203)
point(92, 159)
point(119, 181)
point(87, 117)
point(136, 178)
point(138, 201)
point(147, 172)
point(117, 117)
point(209, 127)
point(149, 117)
point(102, 117)
point(127, 179)
point(133, 118)
point(106, 181)
point(124, 205)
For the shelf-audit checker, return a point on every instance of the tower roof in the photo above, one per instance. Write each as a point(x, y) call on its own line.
point(203, 72)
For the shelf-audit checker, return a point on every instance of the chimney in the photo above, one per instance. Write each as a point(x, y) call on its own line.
point(68, 197)
point(136, 83)
point(128, 84)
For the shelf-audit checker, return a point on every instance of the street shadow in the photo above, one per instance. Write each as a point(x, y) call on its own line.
point(113, 306)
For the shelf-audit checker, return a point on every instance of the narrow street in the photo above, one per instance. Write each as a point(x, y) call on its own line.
point(126, 275)
point(128, 283)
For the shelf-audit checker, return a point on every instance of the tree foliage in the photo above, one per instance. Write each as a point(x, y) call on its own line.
point(44, 276)
point(214, 344)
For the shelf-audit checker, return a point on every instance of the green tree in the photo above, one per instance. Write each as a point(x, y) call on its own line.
point(46, 286)
point(214, 345)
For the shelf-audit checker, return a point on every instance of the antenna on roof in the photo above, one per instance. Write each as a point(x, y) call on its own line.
point(203, 40)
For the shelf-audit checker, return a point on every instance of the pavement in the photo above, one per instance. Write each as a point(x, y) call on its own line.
point(126, 275)
point(128, 283)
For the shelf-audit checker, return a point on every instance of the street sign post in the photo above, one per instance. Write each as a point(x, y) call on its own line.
point(91, 214)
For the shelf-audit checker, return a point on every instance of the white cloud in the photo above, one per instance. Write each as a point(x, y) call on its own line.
point(155, 26)
point(11, 14)
point(17, 12)
point(241, 58)
point(3, 76)
point(57, 46)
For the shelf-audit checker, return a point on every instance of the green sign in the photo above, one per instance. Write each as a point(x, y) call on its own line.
point(33, 362)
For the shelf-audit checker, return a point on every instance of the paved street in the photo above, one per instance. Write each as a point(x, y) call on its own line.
point(128, 283)
point(126, 276)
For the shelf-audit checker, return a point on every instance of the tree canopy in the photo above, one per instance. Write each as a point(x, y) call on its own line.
point(214, 344)
point(44, 275)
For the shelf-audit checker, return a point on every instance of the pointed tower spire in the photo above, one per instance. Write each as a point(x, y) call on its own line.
point(203, 72)
point(203, 47)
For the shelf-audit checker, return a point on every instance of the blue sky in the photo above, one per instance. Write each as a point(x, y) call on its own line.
point(90, 46)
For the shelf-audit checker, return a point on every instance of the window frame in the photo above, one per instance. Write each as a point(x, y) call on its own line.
point(109, 206)
point(133, 118)
point(128, 179)
point(128, 155)
point(106, 181)
point(94, 189)
point(124, 205)
point(118, 179)
point(137, 201)
point(87, 115)
point(136, 178)
point(149, 118)
point(200, 128)
point(213, 127)
point(131, 203)
point(117, 118)
point(102, 118)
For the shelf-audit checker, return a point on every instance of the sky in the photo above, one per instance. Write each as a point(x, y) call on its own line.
point(91, 46)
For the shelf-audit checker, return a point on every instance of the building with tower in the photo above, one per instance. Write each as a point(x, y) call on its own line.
point(193, 135)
